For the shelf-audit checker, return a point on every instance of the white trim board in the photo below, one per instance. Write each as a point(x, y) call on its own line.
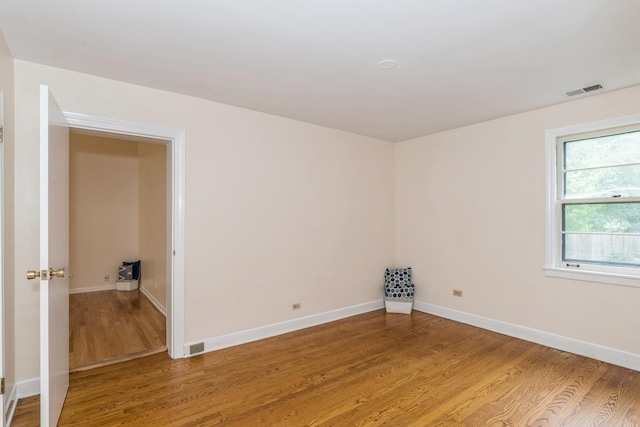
point(153, 300)
point(571, 345)
point(268, 331)
point(98, 288)
point(28, 388)
point(10, 405)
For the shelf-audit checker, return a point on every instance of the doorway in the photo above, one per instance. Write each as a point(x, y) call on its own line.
point(174, 140)
point(118, 213)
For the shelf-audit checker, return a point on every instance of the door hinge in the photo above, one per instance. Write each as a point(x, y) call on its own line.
point(1, 134)
point(1, 385)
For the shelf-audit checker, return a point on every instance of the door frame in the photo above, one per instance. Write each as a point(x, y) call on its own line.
point(175, 140)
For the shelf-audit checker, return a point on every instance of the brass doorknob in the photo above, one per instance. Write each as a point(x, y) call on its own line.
point(44, 274)
point(32, 274)
point(56, 273)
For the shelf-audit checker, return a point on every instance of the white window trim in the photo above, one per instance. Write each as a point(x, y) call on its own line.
point(553, 266)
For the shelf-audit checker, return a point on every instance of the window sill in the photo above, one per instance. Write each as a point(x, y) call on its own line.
point(593, 276)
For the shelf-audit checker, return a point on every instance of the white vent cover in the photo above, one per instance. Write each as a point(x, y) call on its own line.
point(582, 90)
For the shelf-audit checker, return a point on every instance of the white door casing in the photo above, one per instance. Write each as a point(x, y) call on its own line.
point(175, 139)
point(54, 254)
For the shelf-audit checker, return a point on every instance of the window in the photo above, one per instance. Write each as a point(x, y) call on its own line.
point(593, 201)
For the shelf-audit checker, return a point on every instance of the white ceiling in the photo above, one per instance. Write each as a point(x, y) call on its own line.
point(459, 61)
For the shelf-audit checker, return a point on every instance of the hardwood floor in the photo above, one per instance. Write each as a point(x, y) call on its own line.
point(111, 326)
point(372, 369)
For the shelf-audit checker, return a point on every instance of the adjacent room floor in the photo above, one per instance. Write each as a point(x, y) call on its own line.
point(112, 326)
point(371, 369)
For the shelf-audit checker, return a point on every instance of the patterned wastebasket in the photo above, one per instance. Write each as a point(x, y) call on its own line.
point(398, 290)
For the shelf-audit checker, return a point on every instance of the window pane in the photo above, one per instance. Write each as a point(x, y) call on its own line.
point(602, 249)
point(601, 218)
point(609, 150)
point(606, 182)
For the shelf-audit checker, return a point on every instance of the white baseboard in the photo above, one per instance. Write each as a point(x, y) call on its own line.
point(243, 337)
point(10, 403)
point(97, 288)
point(154, 301)
point(571, 345)
point(28, 388)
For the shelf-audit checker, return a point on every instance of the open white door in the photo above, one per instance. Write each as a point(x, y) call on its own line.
point(2, 302)
point(54, 259)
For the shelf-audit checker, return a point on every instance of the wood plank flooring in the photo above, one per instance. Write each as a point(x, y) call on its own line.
point(368, 370)
point(111, 325)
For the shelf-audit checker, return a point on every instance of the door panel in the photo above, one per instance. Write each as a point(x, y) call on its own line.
point(54, 254)
point(2, 346)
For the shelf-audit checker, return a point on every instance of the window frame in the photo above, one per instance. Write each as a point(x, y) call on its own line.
point(554, 266)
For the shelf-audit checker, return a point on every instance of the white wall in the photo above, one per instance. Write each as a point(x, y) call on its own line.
point(7, 85)
point(277, 211)
point(103, 208)
point(471, 216)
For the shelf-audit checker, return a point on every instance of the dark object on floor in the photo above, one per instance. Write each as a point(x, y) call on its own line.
point(136, 269)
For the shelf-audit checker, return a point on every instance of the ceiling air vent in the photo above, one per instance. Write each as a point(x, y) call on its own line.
point(582, 90)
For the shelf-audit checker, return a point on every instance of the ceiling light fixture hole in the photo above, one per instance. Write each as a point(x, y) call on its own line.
point(387, 64)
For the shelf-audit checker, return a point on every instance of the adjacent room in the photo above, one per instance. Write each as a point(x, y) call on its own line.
point(290, 174)
point(117, 213)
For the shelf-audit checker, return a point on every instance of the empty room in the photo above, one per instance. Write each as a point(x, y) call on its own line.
point(375, 213)
point(117, 210)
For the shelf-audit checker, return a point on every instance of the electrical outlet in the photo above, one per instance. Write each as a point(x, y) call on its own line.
point(457, 293)
point(297, 306)
point(106, 277)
